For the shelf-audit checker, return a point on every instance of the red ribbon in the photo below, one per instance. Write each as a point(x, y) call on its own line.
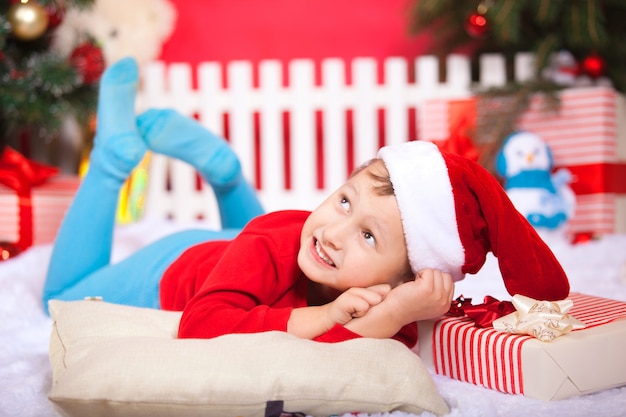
point(483, 314)
point(462, 126)
point(21, 174)
point(598, 178)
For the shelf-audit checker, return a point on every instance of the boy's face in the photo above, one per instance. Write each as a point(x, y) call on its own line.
point(355, 237)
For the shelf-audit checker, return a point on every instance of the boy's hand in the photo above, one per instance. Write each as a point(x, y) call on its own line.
point(309, 322)
point(354, 303)
point(426, 297)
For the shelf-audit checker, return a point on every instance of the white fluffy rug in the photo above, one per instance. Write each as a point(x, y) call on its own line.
point(597, 268)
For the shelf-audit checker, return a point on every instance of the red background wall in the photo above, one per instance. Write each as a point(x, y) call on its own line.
point(226, 30)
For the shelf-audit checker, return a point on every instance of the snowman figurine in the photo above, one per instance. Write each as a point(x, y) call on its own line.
point(544, 198)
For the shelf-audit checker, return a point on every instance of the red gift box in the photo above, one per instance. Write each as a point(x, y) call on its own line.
point(50, 201)
point(587, 136)
point(451, 124)
point(33, 200)
point(520, 364)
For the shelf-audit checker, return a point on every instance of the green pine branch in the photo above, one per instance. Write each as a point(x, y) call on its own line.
point(38, 93)
point(40, 89)
point(543, 27)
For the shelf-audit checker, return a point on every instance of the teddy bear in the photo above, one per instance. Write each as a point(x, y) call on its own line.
point(121, 28)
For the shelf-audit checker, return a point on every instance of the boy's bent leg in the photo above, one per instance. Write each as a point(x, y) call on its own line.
point(83, 243)
point(238, 204)
point(135, 280)
point(172, 134)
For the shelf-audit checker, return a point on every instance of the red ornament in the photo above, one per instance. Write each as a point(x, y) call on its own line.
point(582, 237)
point(8, 250)
point(56, 13)
point(476, 25)
point(87, 58)
point(14, 74)
point(594, 65)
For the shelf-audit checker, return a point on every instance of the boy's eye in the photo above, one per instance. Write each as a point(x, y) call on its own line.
point(369, 238)
point(345, 203)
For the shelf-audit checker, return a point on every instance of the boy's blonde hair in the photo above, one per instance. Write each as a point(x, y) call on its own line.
point(383, 185)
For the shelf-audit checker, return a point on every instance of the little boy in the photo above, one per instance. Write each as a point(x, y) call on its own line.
point(381, 253)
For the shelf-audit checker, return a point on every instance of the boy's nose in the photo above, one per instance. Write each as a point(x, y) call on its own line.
point(334, 234)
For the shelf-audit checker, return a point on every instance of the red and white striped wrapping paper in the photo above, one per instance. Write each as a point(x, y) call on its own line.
point(588, 136)
point(581, 362)
point(50, 202)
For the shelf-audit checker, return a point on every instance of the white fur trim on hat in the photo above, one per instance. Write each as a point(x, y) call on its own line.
point(424, 194)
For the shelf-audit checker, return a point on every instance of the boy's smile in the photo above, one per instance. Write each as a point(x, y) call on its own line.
point(324, 258)
point(355, 237)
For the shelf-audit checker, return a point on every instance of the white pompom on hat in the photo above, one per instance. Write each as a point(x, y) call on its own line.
point(454, 212)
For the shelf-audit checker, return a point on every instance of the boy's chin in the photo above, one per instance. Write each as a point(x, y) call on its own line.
point(329, 292)
point(324, 294)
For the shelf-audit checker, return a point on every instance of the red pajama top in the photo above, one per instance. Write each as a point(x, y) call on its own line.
point(246, 285)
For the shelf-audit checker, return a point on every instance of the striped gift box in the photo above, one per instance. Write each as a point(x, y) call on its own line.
point(520, 364)
point(50, 202)
point(587, 135)
point(434, 120)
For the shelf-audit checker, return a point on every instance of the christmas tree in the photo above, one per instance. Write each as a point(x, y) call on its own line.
point(592, 31)
point(40, 88)
point(580, 41)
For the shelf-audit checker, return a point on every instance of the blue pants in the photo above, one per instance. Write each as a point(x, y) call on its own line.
point(80, 264)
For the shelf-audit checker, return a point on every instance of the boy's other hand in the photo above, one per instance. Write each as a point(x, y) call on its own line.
point(355, 302)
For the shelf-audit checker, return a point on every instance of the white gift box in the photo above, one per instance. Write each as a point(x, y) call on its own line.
point(581, 362)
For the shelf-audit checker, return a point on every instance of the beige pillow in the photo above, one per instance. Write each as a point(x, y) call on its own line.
point(112, 360)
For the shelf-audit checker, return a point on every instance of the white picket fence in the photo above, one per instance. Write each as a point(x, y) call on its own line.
point(295, 164)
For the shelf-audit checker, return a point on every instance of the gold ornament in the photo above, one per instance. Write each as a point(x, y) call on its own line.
point(28, 20)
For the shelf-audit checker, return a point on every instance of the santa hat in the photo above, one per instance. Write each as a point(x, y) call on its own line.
point(454, 212)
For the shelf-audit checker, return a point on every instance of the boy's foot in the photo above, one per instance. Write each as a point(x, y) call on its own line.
point(118, 148)
point(170, 133)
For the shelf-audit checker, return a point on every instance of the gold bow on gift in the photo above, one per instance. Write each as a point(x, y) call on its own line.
point(545, 320)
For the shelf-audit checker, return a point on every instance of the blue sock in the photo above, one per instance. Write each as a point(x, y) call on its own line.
point(118, 147)
point(172, 134)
